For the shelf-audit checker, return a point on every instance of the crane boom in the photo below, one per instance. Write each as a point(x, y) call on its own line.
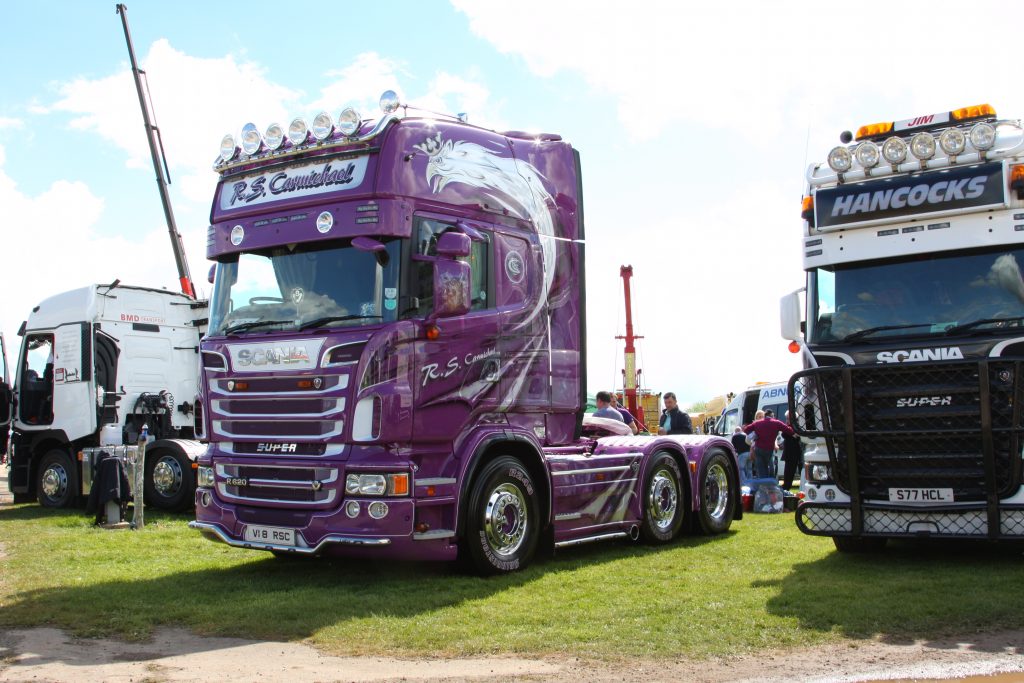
point(159, 164)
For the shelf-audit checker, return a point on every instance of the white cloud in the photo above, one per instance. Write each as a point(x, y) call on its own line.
point(8, 122)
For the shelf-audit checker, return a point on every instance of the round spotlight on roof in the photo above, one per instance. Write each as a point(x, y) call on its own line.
point(298, 131)
point(389, 102)
point(983, 136)
point(922, 146)
point(251, 140)
point(323, 126)
point(894, 150)
point(237, 235)
point(840, 159)
point(228, 150)
point(952, 141)
point(867, 154)
point(348, 121)
point(274, 136)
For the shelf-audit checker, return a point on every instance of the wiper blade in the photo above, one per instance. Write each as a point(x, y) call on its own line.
point(318, 322)
point(254, 323)
point(984, 321)
point(860, 334)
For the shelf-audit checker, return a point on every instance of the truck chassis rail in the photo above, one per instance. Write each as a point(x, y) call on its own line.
point(962, 521)
point(216, 533)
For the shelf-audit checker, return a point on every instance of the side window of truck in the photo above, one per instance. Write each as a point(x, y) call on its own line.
point(426, 232)
point(35, 385)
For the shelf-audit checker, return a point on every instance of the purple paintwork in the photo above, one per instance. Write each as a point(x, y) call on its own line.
point(505, 380)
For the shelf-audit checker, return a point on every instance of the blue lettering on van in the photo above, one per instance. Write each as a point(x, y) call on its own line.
point(778, 392)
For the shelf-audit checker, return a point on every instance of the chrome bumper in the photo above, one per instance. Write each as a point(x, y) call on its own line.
point(215, 533)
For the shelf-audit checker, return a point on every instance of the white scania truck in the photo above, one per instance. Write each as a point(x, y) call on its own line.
point(913, 396)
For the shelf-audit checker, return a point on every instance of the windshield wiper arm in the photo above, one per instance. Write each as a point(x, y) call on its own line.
point(984, 321)
point(254, 323)
point(317, 322)
point(860, 334)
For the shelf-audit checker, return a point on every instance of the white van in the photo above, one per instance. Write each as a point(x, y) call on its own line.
point(761, 396)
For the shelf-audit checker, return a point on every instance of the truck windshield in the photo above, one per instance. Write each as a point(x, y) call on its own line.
point(977, 292)
point(305, 287)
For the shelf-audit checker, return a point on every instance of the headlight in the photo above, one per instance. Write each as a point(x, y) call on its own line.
point(867, 154)
point(274, 136)
point(952, 141)
point(839, 159)
point(395, 484)
point(894, 150)
point(251, 139)
point(983, 136)
point(298, 131)
point(323, 126)
point(348, 121)
point(204, 477)
point(227, 147)
point(922, 146)
point(818, 473)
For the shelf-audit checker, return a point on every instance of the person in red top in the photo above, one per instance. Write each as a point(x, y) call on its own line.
point(766, 431)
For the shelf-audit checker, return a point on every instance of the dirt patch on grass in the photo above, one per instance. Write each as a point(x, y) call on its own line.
point(178, 656)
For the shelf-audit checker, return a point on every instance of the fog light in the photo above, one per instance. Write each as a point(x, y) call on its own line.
point(378, 509)
point(922, 146)
point(274, 137)
point(830, 495)
point(298, 131)
point(323, 126)
point(324, 222)
point(812, 494)
point(389, 101)
point(348, 121)
point(840, 160)
point(952, 141)
point(251, 140)
point(352, 509)
point(237, 235)
point(867, 154)
point(206, 499)
point(983, 136)
point(894, 150)
point(227, 148)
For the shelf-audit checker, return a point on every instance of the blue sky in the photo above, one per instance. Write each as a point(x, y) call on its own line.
point(695, 124)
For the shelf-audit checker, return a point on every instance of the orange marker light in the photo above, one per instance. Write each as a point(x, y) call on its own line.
point(305, 384)
point(433, 332)
point(874, 129)
point(1016, 175)
point(794, 347)
point(975, 112)
point(431, 491)
point(241, 386)
point(400, 484)
point(807, 207)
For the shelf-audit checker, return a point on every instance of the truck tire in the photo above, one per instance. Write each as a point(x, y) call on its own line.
point(718, 493)
point(502, 518)
point(56, 480)
point(859, 544)
point(665, 501)
point(170, 481)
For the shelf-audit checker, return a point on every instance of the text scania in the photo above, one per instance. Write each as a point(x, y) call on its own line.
point(918, 195)
point(281, 356)
point(914, 355)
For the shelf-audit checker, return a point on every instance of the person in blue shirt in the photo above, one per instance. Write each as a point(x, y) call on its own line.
point(604, 407)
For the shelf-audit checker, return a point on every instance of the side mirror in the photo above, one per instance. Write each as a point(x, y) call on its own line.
point(213, 271)
point(453, 245)
point(789, 315)
point(451, 287)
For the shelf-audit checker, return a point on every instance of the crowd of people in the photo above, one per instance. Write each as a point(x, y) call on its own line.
point(755, 443)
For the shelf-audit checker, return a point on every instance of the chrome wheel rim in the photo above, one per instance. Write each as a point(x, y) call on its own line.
point(716, 491)
point(55, 482)
point(662, 500)
point(167, 476)
point(505, 520)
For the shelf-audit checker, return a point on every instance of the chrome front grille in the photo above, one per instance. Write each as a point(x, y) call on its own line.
point(296, 485)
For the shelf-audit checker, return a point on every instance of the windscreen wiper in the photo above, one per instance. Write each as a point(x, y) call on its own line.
point(317, 322)
point(860, 334)
point(984, 321)
point(254, 323)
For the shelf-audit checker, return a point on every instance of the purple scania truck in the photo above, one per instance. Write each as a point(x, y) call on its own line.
point(396, 354)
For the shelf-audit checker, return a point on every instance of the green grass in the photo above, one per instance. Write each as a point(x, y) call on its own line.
point(763, 585)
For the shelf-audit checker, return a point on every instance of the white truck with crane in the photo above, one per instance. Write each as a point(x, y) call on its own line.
point(99, 363)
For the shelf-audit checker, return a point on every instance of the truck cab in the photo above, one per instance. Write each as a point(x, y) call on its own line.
point(105, 355)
